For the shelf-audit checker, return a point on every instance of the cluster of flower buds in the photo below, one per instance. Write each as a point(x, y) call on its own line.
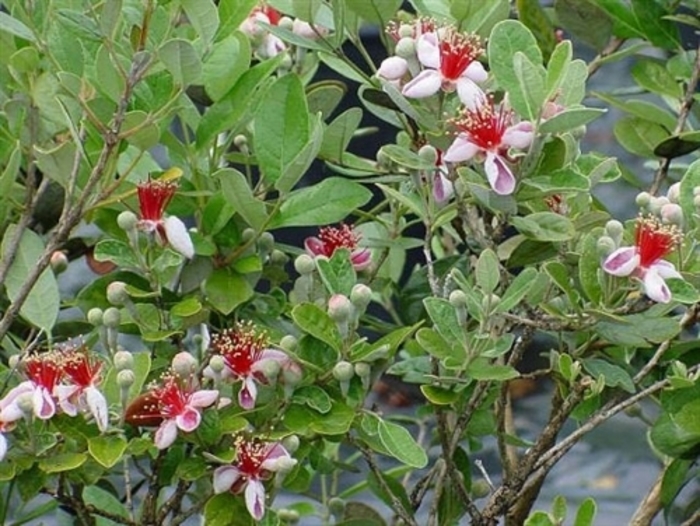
point(107, 323)
point(666, 207)
point(64, 379)
point(267, 45)
point(242, 353)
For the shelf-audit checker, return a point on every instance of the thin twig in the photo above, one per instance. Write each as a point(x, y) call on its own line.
point(613, 45)
point(651, 505)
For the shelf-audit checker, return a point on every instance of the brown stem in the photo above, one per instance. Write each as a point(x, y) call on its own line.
point(613, 45)
point(650, 506)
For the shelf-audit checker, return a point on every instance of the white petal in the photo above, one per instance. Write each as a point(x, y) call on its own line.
point(204, 398)
point(188, 420)
point(666, 269)
point(64, 393)
point(470, 94)
point(428, 50)
point(98, 407)
point(166, 434)
point(655, 287)
point(248, 393)
point(476, 72)
point(3, 446)
point(622, 262)
point(16, 392)
point(224, 478)
point(11, 413)
point(443, 189)
point(179, 237)
point(255, 498)
point(44, 406)
point(460, 150)
point(500, 177)
point(519, 136)
point(425, 84)
point(393, 68)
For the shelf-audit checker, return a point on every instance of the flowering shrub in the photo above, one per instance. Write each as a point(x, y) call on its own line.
point(253, 276)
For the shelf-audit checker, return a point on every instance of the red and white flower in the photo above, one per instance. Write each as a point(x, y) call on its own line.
point(245, 354)
point(451, 59)
point(491, 133)
point(255, 462)
point(154, 197)
point(82, 374)
point(644, 260)
point(266, 44)
point(330, 239)
point(43, 373)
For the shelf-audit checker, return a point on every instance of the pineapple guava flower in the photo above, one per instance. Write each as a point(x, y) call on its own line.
point(43, 371)
point(255, 462)
point(245, 356)
point(488, 131)
point(330, 239)
point(81, 392)
point(267, 45)
point(154, 197)
point(451, 61)
point(644, 260)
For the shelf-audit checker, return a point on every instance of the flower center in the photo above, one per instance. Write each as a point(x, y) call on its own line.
point(654, 240)
point(335, 238)
point(172, 398)
point(154, 197)
point(80, 369)
point(44, 370)
point(250, 454)
point(484, 126)
point(457, 51)
point(240, 347)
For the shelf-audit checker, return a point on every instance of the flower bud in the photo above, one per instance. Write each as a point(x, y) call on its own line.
point(247, 235)
point(392, 68)
point(674, 193)
point(123, 360)
point(657, 203)
point(614, 229)
point(480, 488)
point(405, 31)
point(59, 262)
point(428, 153)
point(270, 369)
point(490, 302)
point(217, 363)
point(286, 23)
point(672, 213)
point(383, 160)
point(288, 343)
point(291, 374)
point(304, 264)
point(288, 516)
point(340, 308)
point(605, 246)
point(363, 369)
point(116, 293)
point(14, 360)
point(643, 199)
point(25, 402)
point(127, 220)
point(112, 318)
point(277, 257)
point(184, 364)
point(95, 316)
point(125, 378)
point(336, 506)
point(360, 296)
point(291, 443)
point(266, 242)
point(405, 48)
point(458, 299)
point(343, 371)
point(240, 141)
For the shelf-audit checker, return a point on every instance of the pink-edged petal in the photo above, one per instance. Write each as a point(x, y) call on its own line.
point(11, 413)
point(443, 189)
point(255, 499)
point(248, 393)
point(666, 269)
point(476, 72)
point(204, 398)
point(3, 446)
point(428, 50)
point(500, 177)
point(519, 136)
point(165, 434)
point(16, 392)
point(460, 150)
point(622, 262)
point(393, 68)
point(178, 236)
point(314, 246)
point(273, 354)
point(188, 420)
point(271, 46)
point(655, 287)
point(224, 478)
point(97, 404)
point(361, 259)
point(44, 406)
point(425, 84)
point(278, 459)
point(470, 94)
point(64, 393)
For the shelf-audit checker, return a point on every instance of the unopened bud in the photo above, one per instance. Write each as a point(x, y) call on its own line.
point(634, 411)
point(405, 30)
point(480, 489)
point(25, 402)
point(125, 378)
point(290, 443)
point(59, 262)
point(674, 193)
point(360, 296)
point(127, 220)
point(240, 141)
point(336, 506)
point(286, 23)
point(292, 374)
point(288, 343)
point(643, 199)
point(288, 516)
point(490, 301)
point(116, 293)
point(14, 361)
point(392, 68)
point(428, 153)
point(277, 257)
point(123, 360)
point(184, 364)
point(458, 299)
point(112, 318)
point(363, 369)
point(343, 371)
point(605, 246)
point(383, 160)
point(95, 316)
point(614, 229)
point(340, 308)
point(672, 213)
point(266, 242)
point(247, 235)
point(270, 369)
point(405, 48)
point(304, 264)
point(217, 363)
point(657, 203)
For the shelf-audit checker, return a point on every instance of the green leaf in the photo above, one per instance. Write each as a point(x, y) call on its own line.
point(225, 290)
point(652, 76)
point(545, 226)
point(651, 18)
point(298, 166)
point(337, 273)
point(203, 16)
point(187, 307)
point(137, 130)
point(43, 302)
point(305, 421)
point(324, 96)
point(682, 291)
point(11, 25)
point(439, 395)
point(228, 60)
point(483, 369)
point(689, 181)
point(675, 477)
point(313, 396)
point(639, 136)
point(539, 518)
point(477, 16)
point(585, 20)
point(435, 345)
point(487, 271)
point(557, 66)
point(181, 60)
point(586, 513)
point(225, 509)
point(62, 462)
point(570, 119)
point(376, 12)
point(614, 374)
point(315, 321)
point(339, 133)
point(107, 449)
point(678, 145)
point(232, 13)
point(444, 317)
point(589, 268)
point(625, 23)
point(236, 190)
point(400, 444)
point(531, 13)
point(329, 201)
point(94, 495)
point(281, 126)
point(517, 290)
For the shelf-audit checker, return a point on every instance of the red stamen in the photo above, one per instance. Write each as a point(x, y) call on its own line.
point(335, 238)
point(154, 197)
point(654, 240)
point(81, 370)
point(483, 126)
point(457, 52)
point(44, 370)
point(240, 347)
